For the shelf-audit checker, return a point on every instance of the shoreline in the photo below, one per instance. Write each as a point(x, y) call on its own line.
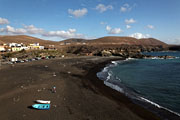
point(156, 109)
point(80, 94)
point(117, 96)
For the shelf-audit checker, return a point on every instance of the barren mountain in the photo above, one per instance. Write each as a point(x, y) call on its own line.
point(127, 41)
point(104, 42)
point(74, 40)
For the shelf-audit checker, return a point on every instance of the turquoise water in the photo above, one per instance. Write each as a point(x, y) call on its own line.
point(157, 80)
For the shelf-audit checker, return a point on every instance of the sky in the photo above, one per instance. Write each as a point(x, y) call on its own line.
point(62, 19)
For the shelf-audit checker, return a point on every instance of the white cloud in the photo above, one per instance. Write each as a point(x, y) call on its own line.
point(108, 28)
point(130, 21)
point(31, 29)
point(72, 30)
point(150, 26)
point(173, 41)
point(103, 23)
point(125, 8)
point(128, 26)
point(78, 13)
point(3, 21)
point(113, 30)
point(139, 35)
point(12, 30)
point(71, 33)
point(102, 8)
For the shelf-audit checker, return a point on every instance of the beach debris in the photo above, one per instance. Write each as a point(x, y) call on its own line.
point(54, 74)
point(55, 106)
point(16, 99)
point(69, 72)
point(62, 56)
point(43, 101)
point(39, 90)
point(41, 106)
point(46, 66)
point(54, 89)
point(22, 87)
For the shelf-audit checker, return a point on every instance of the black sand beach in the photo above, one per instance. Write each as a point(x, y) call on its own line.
point(80, 94)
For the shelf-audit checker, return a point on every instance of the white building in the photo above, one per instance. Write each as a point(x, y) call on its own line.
point(12, 44)
point(2, 49)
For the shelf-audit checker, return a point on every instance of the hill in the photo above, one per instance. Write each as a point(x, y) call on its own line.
point(111, 45)
point(1, 42)
point(126, 41)
point(100, 43)
point(73, 40)
point(26, 40)
point(115, 41)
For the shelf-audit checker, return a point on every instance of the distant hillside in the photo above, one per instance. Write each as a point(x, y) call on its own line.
point(1, 42)
point(127, 41)
point(151, 41)
point(74, 40)
point(26, 40)
point(104, 42)
point(112, 40)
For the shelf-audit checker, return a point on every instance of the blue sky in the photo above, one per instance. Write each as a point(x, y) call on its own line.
point(62, 19)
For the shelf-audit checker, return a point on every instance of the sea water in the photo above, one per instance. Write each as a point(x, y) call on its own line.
point(153, 80)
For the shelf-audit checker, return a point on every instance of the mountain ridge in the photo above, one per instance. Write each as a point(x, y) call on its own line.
point(103, 40)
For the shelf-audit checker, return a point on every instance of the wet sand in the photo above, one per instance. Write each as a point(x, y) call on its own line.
point(80, 94)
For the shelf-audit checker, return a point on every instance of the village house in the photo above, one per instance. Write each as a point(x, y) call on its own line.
point(2, 48)
point(35, 46)
point(62, 44)
point(15, 47)
point(51, 47)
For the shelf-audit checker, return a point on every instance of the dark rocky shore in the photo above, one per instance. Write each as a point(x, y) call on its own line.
point(80, 94)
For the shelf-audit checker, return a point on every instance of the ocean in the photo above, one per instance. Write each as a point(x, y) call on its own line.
point(156, 81)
